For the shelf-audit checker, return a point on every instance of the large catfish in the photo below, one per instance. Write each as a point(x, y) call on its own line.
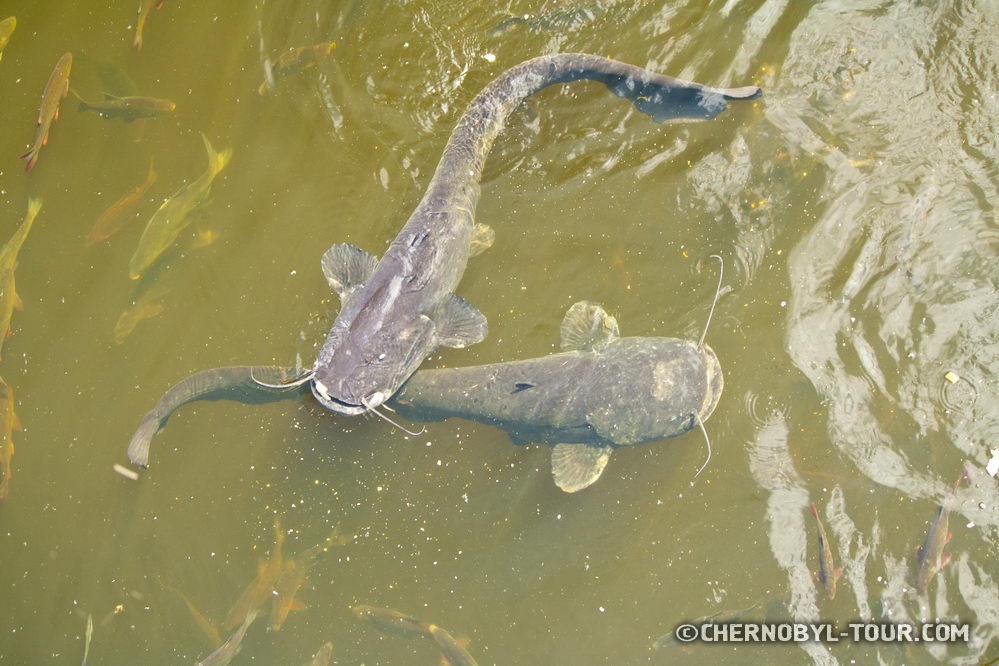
point(601, 392)
point(396, 311)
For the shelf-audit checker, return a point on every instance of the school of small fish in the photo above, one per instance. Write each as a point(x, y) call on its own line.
point(280, 579)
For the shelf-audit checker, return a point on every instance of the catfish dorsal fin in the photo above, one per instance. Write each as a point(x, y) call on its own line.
point(577, 466)
point(347, 267)
point(587, 327)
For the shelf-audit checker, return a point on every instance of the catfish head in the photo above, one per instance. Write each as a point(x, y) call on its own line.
point(389, 323)
point(365, 371)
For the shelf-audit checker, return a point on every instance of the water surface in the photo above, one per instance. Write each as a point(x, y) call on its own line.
point(854, 205)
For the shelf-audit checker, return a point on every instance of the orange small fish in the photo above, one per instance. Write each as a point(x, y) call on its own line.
point(114, 217)
point(9, 300)
point(261, 588)
point(8, 423)
point(6, 30)
point(140, 23)
point(55, 90)
point(294, 576)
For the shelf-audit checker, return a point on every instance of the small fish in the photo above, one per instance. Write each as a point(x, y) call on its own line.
point(8, 423)
point(930, 557)
point(173, 216)
point(293, 61)
point(132, 316)
point(6, 29)
point(293, 577)
point(291, 581)
point(127, 108)
point(48, 111)
point(140, 23)
point(112, 219)
point(323, 657)
point(231, 647)
point(9, 300)
point(392, 621)
point(207, 626)
point(261, 588)
point(89, 636)
point(452, 650)
point(828, 574)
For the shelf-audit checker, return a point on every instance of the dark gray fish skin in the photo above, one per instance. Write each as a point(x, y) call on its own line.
point(398, 316)
point(241, 383)
point(633, 391)
point(607, 392)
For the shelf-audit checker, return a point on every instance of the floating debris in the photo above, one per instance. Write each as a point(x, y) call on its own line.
point(126, 472)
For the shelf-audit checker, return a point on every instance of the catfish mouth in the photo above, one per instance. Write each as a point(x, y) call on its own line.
point(321, 393)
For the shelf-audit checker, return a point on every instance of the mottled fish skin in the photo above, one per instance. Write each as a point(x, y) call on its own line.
point(930, 556)
point(828, 574)
point(56, 88)
point(401, 313)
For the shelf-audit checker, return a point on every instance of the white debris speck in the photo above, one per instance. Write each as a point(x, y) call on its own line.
point(126, 472)
point(992, 466)
point(490, 57)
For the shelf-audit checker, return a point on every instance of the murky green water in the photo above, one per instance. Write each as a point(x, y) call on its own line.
point(854, 205)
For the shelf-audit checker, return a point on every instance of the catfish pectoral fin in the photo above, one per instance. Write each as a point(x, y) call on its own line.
point(587, 327)
point(483, 238)
point(577, 466)
point(459, 323)
point(347, 267)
